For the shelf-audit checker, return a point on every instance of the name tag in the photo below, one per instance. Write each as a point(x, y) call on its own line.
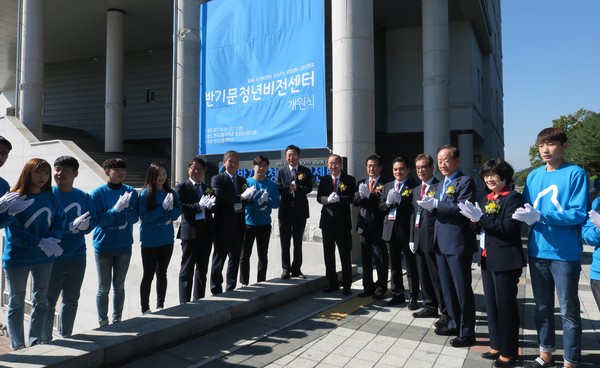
point(392, 214)
point(482, 239)
point(200, 216)
point(237, 207)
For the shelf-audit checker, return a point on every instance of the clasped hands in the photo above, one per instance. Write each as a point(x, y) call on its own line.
point(50, 247)
point(248, 193)
point(363, 190)
point(81, 223)
point(14, 203)
point(595, 218)
point(470, 211)
point(207, 201)
point(527, 214)
point(393, 197)
point(428, 203)
point(122, 202)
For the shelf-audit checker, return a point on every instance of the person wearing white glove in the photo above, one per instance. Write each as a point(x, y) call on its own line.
point(428, 203)
point(502, 256)
point(591, 235)
point(7, 200)
point(248, 194)
point(396, 229)
point(116, 207)
point(527, 214)
point(336, 193)
point(68, 270)
point(19, 205)
point(258, 220)
point(158, 208)
point(558, 195)
point(369, 226)
point(26, 254)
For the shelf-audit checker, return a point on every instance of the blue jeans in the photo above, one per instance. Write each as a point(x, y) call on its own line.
point(17, 283)
point(66, 277)
point(545, 275)
point(111, 267)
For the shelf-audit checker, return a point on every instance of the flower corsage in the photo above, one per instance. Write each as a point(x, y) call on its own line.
point(451, 191)
point(341, 186)
point(406, 192)
point(492, 208)
point(208, 191)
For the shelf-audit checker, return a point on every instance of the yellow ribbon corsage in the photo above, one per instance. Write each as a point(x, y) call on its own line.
point(301, 176)
point(341, 186)
point(406, 192)
point(208, 191)
point(450, 191)
point(492, 208)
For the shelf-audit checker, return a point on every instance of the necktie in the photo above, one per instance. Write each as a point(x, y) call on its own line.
point(371, 183)
point(335, 184)
point(446, 184)
point(294, 174)
point(234, 181)
point(198, 189)
point(423, 188)
point(398, 184)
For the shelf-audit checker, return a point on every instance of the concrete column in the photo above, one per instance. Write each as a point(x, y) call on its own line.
point(115, 61)
point(436, 78)
point(353, 82)
point(187, 86)
point(465, 146)
point(31, 73)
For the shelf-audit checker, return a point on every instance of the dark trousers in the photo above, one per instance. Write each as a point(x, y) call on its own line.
point(195, 254)
point(262, 235)
point(155, 260)
point(455, 279)
point(500, 292)
point(374, 252)
point(429, 279)
point(291, 228)
point(595, 284)
point(398, 250)
point(228, 244)
point(343, 239)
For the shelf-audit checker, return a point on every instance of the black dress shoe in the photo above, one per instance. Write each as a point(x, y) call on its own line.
point(397, 299)
point(442, 321)
point(505, 364)
point(299, 275)
point(366, 293)
point(331, 288)
point(285, 275)
point(413, 305)
point(462, 341)
point(489, 355)
point(446, 331)
point(379, 294)
point(346, 291)
point(425, 313)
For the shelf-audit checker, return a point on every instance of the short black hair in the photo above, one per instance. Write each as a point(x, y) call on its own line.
point(401, 159)
point(259, 159)
point(453, 150)
point(497, 166)
point(375, 157)
point(293, 147)
point(114, 163)
point(551, 135)
point(197, 160)
point(68, 161)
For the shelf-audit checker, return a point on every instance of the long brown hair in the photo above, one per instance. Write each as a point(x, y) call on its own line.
point(150, 183)
point(23, 185)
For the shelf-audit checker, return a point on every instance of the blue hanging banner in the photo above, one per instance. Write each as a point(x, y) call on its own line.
point(262, 70)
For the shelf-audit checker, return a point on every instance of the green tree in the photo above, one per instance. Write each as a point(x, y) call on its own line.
point(584, 144)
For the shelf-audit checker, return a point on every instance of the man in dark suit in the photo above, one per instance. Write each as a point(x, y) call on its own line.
point(370, 226)
point(455, 242)
point(335, 193)
point(195, 231)
point(396, 204)
point(232, 194)
point(422, 243)
point(294, 182)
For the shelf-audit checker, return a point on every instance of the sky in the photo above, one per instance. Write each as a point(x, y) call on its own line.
point(551, 66)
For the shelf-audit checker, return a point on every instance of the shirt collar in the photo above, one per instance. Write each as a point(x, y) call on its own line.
point(492, 196)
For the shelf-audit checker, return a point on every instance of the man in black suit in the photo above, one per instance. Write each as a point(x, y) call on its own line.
point(396, 204)
point(370, 226)
point(294, 182)
point(422, 243)
point(232, 194)
point(195, 231)
point(455, 244)
point(335, 193)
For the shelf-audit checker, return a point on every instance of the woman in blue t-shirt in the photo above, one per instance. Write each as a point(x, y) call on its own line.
point(33, 240)
point(158, 208)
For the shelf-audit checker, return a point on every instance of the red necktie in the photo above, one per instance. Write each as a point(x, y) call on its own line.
point(423, 187)
point(294, 174)
point(335, 184)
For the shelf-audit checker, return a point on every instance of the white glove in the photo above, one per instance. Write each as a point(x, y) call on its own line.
point(527, 214)
point(211, 201)
point(121, 203)
point(19, 205)
point(167, 203)
point(595, 218)
point(412, 247)
point(7, 199)
point(248, 193)
point(428, 203)
point(392, 197)
point(56, 249)
point(85, 222)
point(333, 198)
point(76, 224)
point(363, 190)
point(204, 202)
point(263, 198)
point(45, 245)
point(128, 198)
point(470, 211)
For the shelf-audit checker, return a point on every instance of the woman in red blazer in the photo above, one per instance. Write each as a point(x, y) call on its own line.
point(502, 258)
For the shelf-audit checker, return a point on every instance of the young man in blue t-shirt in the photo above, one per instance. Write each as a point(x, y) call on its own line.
point(556, 200)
